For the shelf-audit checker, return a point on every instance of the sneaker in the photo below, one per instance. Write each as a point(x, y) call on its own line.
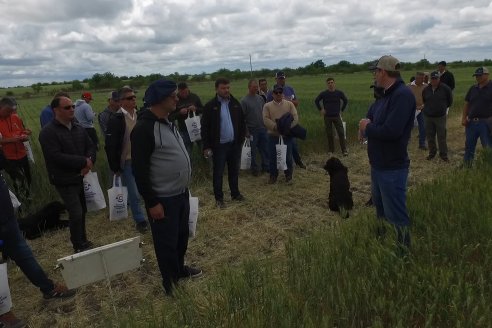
point(301, 165)
point(272, 180)
point(220, 203)
point(190, 272)
point(142, 227)
point(9, 320)
point(239, 198)
point(59, 291)
point(86, 245)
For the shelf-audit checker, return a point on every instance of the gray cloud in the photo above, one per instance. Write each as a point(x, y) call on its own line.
point(46, 40)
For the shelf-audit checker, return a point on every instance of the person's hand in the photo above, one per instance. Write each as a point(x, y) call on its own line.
point(323, 112)
point(157, 212)
point(28, 132)
point(464, 121)
point(192, 108)
point(362, 126)
point(84, 171)
point(89, 163)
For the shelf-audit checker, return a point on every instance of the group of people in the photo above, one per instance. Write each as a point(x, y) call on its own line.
point(150, 149)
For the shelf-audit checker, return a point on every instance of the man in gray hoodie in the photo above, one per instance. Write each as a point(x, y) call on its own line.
point(162, 171)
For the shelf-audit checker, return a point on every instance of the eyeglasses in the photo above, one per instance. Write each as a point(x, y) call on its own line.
point(130, 98)
point(277, 92)
point(68, 107)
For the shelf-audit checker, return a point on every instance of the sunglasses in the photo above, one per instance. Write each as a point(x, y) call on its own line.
point(277, 92)
point(130, 98)
point(69, 107)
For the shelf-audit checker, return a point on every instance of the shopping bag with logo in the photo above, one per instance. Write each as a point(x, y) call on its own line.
point(281, 149)
point(193, 215)
point(5, 299)
point(30, 155)
point(246, 155)
point(94, 197)
point(117, 198)
point(194, 128)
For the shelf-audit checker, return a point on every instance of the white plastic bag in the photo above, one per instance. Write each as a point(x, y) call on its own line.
point(30, 155)
point(281, 149)
point(94, 197)
point(194, 128)
point(246, 155)
point(193, 215)
point(117, 198)
point(15, 201)
point(5, 299)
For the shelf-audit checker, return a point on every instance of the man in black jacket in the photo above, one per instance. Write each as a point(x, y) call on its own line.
point(69, 155)
point(445, 76)
point(437, 98)
point(223, 131)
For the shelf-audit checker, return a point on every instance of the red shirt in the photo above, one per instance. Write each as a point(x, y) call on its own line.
point(12, 126)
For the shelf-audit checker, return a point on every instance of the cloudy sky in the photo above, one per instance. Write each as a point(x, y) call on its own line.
point(56, 40)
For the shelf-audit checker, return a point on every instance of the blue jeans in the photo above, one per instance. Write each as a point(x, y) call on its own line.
point(259, 142)
point(133, 196)
point(273, 141)
point(389, 189)
point(170, 236)
point(473, 131)
point(229, 153)
point(421, 126)
point(15, 246)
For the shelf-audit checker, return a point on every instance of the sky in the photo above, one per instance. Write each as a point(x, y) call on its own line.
point(53, 40)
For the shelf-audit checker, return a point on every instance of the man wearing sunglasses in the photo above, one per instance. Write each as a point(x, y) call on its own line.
point(119, 151)
point(69, 154)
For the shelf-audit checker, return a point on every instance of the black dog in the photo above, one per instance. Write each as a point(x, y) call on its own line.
point(46, 219)
point(340, 198)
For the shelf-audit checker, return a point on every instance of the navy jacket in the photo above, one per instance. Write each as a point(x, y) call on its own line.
point(388, 133)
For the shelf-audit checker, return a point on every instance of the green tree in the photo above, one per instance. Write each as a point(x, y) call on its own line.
point(37, 87)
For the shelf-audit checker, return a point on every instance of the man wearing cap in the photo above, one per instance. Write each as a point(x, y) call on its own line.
point(290, 95)
point(252, 105)
point(437, 97)
point(113, 106)
point(417, 87)
point(189, 105)
point(13, 134)
point(69, 155)
point(163, 173)
point(272, 112)
point(332, 99)
point(85, 116)
point(445, 76)
point(387, 129)
point(223, 132)
point(477, 114)
point(118, 150)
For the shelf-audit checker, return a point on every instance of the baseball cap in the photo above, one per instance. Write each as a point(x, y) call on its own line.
point(434, 75)
point(481, 71)
point(387, 63)
point(158, 90)
point(280, 75)
point(87, 95)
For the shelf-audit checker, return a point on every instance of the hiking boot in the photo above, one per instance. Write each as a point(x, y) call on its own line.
point(288, 177)
point(272, 180)
point(59, 291)
point(9, 320)
point(142, 227)
point(86, 245)
point(190, 272)
point(220, 203)
point(239, 198)
point(255, 172)
point(431, 156)
point(445, 158)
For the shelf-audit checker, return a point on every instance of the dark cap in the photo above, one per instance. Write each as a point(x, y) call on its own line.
point(278, 88)
point(158, 91)
point(114, 95)
point(434, 75)
point(182, 85)
point(481, 71)
point(387, 63)
point(442, 62)
point(280, 75)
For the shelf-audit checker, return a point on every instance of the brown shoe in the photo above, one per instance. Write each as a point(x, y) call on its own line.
point(272, 180)
point(9, 320)
point(59, 291)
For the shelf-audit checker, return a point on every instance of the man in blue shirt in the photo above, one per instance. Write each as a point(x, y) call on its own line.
point(387, 128)
point(223, 132)
point(47, 114)
point(290, 95)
